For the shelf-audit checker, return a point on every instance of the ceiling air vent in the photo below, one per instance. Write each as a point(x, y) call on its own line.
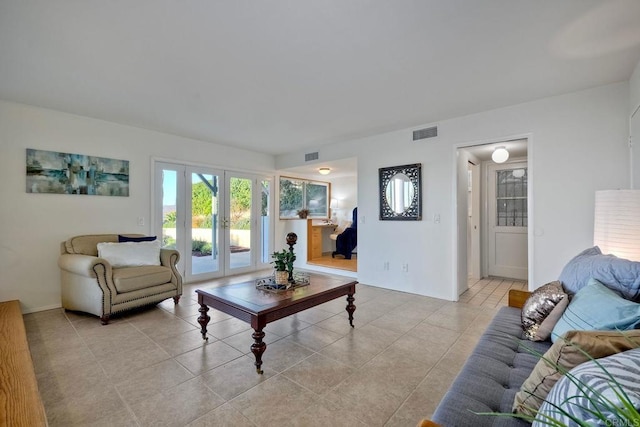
point(425, 133)
point(311, 156)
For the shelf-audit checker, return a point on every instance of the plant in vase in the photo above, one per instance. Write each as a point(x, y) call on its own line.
point(303, 213)
point(283, 264)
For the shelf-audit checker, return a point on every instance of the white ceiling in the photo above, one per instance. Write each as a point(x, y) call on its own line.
point(280, 75)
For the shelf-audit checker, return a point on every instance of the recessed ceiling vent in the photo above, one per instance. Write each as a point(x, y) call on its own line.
point(425, 133)
point(311, 156)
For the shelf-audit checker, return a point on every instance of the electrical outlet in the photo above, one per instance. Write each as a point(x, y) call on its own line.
point(405, 268)
point(140, 221)
point(385, 266)
point(436, 218)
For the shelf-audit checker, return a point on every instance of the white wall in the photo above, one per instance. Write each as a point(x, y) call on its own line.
point(578, 145)
point(33, 225)
point(345, 190)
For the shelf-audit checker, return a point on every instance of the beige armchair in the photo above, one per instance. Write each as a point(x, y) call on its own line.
point(90, 284)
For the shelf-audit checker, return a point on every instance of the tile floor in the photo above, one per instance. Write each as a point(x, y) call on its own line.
point(152, 368)
point(490, 292)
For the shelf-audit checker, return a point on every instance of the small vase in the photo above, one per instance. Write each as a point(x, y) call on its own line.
point(281, 277)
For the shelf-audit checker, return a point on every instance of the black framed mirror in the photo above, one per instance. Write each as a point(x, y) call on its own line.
point(401, 193)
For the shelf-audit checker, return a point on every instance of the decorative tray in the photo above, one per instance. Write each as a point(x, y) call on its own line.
point(269, 283)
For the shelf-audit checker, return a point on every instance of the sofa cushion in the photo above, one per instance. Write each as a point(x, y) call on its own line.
point(621, 275)
point(88, 244)
point(536, 311)
point(567, 400)
point(492, 375)
point(574, 348)
point(130, 254)
point(596, 307)
point(129, 279)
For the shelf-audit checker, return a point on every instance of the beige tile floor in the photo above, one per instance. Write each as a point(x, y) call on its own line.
point(152, 368)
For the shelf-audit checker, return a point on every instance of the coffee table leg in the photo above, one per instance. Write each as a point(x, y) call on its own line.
point(257, 348)
point(350, 308)
point(203, 320)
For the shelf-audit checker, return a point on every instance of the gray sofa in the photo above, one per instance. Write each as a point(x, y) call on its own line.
point(501, 361)
point(90, 284)
point(492, 375)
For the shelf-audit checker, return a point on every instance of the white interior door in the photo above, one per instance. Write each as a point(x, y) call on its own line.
point(507, 220)
point(473, 235)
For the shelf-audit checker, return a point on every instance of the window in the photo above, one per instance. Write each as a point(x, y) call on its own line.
point(511, 198)
point(297, 194)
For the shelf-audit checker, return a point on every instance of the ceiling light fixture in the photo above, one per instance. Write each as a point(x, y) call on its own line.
point(500, 155)
point(324, 171)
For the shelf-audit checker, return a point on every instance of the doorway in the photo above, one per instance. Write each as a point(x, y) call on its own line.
point(492, 215)
point(218, 220)
point(507, 220)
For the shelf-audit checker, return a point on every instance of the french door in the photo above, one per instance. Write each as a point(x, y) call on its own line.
point(218, 220)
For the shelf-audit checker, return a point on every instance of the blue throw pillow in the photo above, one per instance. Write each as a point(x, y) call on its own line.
point(596, 307)
point(122, 239)
point(618, 274)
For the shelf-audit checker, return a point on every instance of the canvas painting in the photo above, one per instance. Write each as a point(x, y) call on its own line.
point(64, 173)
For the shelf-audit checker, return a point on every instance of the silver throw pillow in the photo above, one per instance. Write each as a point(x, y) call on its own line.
point(538, 307)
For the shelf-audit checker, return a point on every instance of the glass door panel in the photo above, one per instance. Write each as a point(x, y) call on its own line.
point(169, 208)
point(204, 239)
point(265, 221)
point(240, 223)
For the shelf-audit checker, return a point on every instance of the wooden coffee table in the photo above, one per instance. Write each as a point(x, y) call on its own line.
point(259, 307)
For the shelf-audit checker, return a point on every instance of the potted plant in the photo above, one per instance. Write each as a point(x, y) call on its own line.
point(283, 264)
point(303, 213)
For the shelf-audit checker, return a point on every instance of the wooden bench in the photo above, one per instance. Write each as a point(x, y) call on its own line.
point(20, 403)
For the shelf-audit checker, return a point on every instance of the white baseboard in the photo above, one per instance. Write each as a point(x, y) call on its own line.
point(45, 308)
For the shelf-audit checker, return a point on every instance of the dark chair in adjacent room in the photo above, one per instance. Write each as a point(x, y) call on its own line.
point(348, 239)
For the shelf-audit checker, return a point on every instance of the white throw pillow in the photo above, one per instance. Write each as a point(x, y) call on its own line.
point(130, 254)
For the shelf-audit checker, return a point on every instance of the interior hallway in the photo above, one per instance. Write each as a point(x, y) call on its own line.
point(491, 292)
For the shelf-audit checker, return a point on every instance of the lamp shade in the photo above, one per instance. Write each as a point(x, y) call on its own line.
point(616, 228)
point(500, 155)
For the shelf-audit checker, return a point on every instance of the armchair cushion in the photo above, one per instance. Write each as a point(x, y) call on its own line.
point(87, 244)
point(130, 254)
point(129, 279)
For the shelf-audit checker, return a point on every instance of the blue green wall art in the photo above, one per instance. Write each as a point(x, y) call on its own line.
point(65, 173)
